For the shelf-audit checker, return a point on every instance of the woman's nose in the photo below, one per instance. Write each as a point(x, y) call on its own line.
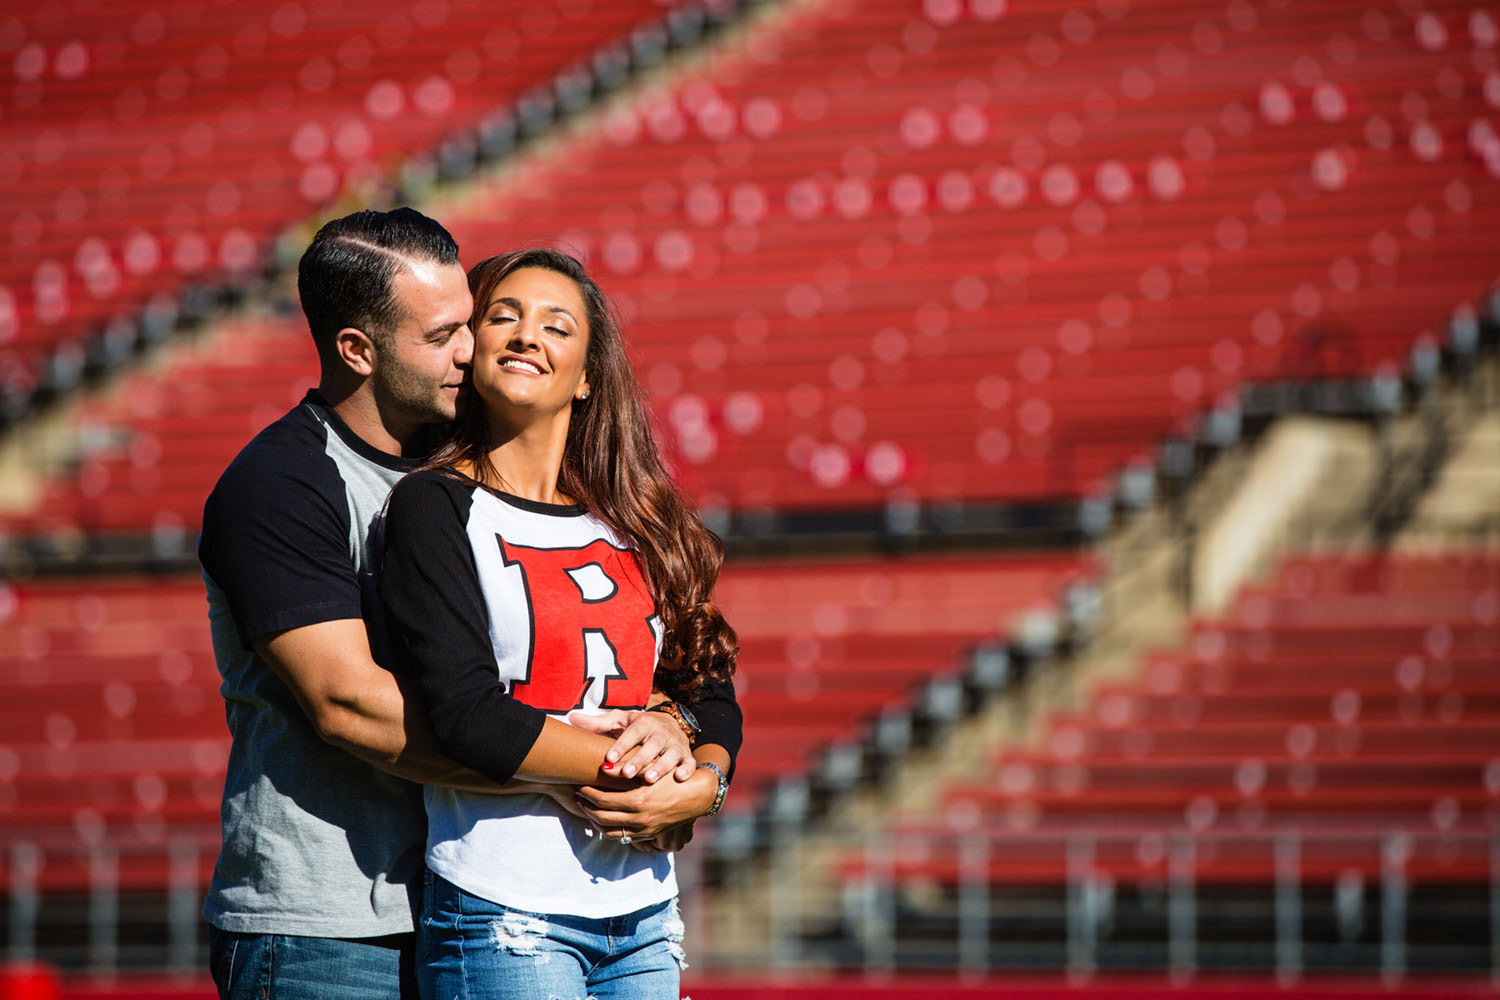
point(524, 334)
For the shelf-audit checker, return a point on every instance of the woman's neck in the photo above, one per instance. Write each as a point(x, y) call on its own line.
point(528, 461)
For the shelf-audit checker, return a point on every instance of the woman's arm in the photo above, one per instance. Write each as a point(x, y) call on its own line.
point(721, 722)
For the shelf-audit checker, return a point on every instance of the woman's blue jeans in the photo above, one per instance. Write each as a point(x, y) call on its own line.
point(469, 948)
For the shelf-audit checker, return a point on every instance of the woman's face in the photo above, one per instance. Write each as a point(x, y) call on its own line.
point(530, 345)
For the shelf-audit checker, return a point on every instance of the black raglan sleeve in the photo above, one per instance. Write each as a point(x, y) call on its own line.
point(719, 717)
point(275, 539)
point(439, 626)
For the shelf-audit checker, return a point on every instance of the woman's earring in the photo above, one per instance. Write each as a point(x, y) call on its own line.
point(583, 395)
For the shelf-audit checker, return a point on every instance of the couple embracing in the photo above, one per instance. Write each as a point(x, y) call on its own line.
point(476, 684)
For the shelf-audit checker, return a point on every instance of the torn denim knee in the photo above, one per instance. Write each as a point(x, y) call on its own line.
point(676, 930)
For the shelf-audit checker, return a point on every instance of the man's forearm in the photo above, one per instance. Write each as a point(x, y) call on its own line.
point(360, 707)
point(391, 732)
point(386, 726)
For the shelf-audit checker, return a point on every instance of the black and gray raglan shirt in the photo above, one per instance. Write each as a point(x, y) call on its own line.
point(316, 841)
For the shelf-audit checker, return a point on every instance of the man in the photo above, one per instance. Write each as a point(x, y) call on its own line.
point(323, 822)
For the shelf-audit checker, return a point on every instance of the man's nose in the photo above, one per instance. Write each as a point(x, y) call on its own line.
point(463, 354)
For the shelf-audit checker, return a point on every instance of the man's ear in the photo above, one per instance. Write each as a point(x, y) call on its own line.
point(356, 350)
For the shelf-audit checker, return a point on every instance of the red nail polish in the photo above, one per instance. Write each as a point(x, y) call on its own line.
point(609, 766)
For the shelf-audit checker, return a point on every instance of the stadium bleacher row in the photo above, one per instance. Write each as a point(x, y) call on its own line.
point(1346, 702)
point(817, 264)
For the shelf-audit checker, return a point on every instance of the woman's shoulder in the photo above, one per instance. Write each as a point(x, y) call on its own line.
point(428, 486)
point(442, 477)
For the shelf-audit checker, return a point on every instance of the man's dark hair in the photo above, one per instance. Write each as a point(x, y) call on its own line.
point(345, 277)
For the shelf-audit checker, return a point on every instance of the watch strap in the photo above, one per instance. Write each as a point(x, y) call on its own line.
point(723, 786)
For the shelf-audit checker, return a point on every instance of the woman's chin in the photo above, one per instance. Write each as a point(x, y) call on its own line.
point(519, 411)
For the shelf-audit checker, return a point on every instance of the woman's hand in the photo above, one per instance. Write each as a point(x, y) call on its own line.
point(649, 810)
point(650, 744)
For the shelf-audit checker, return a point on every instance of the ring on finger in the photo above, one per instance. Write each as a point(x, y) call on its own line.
point(625, 838)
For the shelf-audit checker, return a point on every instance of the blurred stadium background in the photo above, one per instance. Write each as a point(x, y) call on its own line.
point(1099, 400)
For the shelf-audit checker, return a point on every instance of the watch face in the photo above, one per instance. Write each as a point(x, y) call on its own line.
point(689, 718)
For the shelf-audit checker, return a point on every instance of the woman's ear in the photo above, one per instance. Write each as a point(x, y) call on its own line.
point(583, 391)
point(356, 350)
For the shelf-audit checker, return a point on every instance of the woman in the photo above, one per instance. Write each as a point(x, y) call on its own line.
point(543, 562)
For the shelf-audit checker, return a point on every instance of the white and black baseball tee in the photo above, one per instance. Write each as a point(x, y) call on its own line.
point(508, 611)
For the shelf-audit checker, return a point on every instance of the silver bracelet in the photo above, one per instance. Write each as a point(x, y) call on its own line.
point(723, 786)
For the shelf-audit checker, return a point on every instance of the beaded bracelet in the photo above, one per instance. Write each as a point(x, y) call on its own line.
point(685, 721)
point(723, 786)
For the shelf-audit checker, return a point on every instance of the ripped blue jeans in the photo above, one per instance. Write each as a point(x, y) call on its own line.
point(470, 948)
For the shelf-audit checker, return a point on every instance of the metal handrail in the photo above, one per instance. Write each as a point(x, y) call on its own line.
point(1388, 854)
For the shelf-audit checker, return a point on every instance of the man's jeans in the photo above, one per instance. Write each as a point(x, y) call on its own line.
point(470, 947)
point(284, 967)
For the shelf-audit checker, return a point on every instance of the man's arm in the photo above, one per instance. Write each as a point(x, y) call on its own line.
point(360, 707)
point(366, 710)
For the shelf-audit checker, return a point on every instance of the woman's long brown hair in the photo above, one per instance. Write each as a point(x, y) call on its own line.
point(612, 467)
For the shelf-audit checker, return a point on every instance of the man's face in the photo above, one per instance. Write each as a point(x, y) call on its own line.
point(422, 363)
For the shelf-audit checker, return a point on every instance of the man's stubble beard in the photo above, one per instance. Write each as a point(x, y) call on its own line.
point(413, 394)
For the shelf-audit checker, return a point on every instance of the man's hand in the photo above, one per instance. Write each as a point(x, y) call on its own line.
point(650, 744)
point(666, 842)
point(649, 810)
point(561, 794)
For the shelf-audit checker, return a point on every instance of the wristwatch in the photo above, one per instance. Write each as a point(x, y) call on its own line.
point(683, 718)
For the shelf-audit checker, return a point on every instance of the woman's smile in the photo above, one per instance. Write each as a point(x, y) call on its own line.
point(517, 364)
